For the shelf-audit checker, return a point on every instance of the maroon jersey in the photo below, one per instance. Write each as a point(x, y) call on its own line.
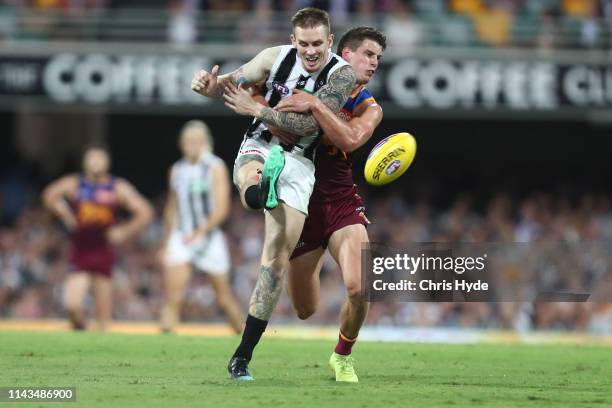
point(334, 203)
point(94, 208)
point(333, 167)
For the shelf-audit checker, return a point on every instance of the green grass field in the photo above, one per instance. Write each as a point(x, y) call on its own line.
point(172, 371)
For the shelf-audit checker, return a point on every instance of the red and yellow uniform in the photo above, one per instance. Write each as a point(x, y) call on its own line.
point(95, 212)
point(335, 202)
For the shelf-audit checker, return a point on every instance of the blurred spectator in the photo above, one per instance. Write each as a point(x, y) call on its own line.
point(499, 23)
point(402, 31)
point(257, 29)
point(493, 24)
point(579, 8)
point(468, 7)
point(590, 28)
point(182, 28)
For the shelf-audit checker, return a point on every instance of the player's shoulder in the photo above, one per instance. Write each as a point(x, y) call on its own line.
point(213, 160)
point(366, 97)
point(69, 182)
point(360, 100)
point(340, 71)
point(72, 178)
point(272, 53)
point(365, 93)
point(177, 165)
point(275, 56)
point(340, 62)
point(121, 184)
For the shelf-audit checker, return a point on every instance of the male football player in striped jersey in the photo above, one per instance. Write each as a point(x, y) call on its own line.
point(336, 214)
point(274, 175)
point(198, 203)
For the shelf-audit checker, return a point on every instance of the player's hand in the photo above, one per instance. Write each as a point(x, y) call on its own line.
point(299, 102)
point(240, 100)
point(205, 83)
point(193, 237)
point(284, 136)
point(117, 235)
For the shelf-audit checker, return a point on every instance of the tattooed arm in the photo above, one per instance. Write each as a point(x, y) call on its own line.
point(348, 136)
point(211, 85)
point(334, 95)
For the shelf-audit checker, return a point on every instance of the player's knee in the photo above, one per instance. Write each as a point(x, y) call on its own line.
point(279, 263)
point(173, 302)
point(224, 299)
point(304, 312)
point(354, 292)
point(71, 305)
point(278, 267)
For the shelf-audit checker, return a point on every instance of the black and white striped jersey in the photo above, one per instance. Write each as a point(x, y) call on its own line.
point(288, 73)
point(193, 185)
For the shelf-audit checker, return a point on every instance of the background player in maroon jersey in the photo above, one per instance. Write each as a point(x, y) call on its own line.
point(87, 205)
point(336, 215)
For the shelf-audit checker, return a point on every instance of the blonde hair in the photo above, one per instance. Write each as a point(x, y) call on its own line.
point(206, 134)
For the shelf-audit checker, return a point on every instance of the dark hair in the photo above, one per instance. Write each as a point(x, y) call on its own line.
point(311, 17)
point(355, 36)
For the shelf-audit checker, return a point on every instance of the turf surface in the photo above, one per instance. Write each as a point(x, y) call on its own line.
point(169, 371)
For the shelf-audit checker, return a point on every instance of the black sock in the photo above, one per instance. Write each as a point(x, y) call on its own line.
point(252, 333)
point(251, 197)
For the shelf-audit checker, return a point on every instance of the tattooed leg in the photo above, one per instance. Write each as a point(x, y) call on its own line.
point(283, 228)
point(266, 293)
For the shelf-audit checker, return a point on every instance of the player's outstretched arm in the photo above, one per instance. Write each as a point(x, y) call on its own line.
point(221, 192)
point(334, 94)
point(211, 84)
point(55, 195)
point(139, 208)
point(348, 136)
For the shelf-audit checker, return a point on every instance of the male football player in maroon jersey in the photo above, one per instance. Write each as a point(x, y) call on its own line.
point(336, 215)
point(87, 204)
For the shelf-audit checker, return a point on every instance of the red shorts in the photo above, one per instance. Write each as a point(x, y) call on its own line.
point(96, 261)
point(325, 218)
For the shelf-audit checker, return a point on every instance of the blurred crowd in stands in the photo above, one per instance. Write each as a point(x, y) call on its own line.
point(33, 264)
point(408, 23)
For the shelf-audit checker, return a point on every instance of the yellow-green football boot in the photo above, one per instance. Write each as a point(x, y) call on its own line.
point(343, 367)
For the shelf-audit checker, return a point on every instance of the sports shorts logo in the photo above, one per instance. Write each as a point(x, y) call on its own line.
point(281, 88)
point(393, 167)
point(252, 151)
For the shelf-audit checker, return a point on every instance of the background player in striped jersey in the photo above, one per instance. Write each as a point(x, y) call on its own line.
point(87, 205)
point(336, 215)
point(198, 203)
point(306, 64)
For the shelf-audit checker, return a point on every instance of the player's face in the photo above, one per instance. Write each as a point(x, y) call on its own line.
point(96, 162)
point(192, 144)
point(312, 45)
point(364, 60)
